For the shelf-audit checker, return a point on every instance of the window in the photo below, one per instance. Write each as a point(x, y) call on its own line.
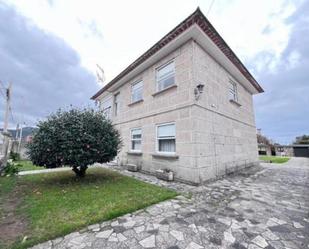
point(137, 91)
point(116, 104)
point(165, 76)
point(107, 107)
point(136, 139)
point(233, 91)
point(166, 138)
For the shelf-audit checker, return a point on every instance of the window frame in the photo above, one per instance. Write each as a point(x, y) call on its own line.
point(157, 139)
point(116, 104)
point(172, 61)
point(107, 110)
point(233, 91)
point(131, 139)
point(132, 85)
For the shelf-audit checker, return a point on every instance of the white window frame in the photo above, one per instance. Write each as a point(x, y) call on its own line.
point(134, 84)
point(233, 91)
point(106, 106)
point(161, 67)
point(132, 139)
point(116, 104)
point(157, 139)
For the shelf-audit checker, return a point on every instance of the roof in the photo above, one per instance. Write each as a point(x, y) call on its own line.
point(197, 17)
point(292, 145)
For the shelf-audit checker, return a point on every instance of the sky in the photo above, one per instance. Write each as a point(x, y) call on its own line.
point(49, 50)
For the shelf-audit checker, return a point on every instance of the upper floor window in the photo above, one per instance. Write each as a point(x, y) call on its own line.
point(136, 139)
point(233, 91)
point(107, 107)
point(116, 104)
point(166, 138)
point(165, 76)
point(137, 91)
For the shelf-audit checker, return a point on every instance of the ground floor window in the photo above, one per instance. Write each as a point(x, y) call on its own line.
point(166, 138)
point(136, 139)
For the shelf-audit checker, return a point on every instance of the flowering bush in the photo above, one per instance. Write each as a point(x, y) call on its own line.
point(76, 138)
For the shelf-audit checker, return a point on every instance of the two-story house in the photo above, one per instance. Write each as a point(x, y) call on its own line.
point(185, 105)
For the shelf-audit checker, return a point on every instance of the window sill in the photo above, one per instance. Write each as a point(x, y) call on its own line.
point(136, 102)
point(135, 153)
point(235, 102)
point(165, 156)
point(164, 90)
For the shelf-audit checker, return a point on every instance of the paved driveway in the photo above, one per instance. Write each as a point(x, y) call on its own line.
point(265, 207)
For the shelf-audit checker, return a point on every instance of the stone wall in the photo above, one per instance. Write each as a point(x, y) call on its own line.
point(224, 132)
point(213, 135)
point(173, 105)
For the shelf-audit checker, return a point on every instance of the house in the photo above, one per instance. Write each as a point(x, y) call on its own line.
point(296, 150)
point(185, 105)
point(264, 149)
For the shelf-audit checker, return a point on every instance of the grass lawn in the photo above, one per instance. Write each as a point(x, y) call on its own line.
point(27, 165)
point(45, 206)
point(275, 159)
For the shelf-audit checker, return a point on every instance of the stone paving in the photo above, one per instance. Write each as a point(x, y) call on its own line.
point(263, 207)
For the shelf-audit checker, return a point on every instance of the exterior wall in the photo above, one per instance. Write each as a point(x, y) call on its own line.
point(224, 132)
point(213, 135)
point(173, 105)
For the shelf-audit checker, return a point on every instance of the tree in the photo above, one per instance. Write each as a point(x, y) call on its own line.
point(263, 140)
point(304, 139)
point(77, 138)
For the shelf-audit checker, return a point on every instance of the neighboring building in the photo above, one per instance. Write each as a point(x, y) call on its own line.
point(264, 150)
point(297, 150)
point(185, 105)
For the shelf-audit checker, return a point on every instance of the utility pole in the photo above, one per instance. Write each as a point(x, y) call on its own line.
point(7, 107)
point(17, 131)
point(6, 134)
point(20, 137)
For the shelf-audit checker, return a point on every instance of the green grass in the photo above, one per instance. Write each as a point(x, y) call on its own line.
point(27, 165)
point(56, 204)
point(275, 159)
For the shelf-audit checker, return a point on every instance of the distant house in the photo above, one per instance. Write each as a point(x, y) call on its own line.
point(297, 150)
point(185, 105)
point(264, 149)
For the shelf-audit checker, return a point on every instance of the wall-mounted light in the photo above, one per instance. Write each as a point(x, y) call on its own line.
point(198, 90)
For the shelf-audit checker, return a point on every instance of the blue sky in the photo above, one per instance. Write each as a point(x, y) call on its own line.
point(49, 50)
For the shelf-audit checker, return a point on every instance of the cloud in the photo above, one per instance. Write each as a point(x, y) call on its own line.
point(45, 71)
point(282, 111)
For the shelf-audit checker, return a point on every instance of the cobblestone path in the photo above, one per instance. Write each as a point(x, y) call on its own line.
point(263, 207)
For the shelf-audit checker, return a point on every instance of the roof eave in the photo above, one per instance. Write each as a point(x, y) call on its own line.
point(198, 18)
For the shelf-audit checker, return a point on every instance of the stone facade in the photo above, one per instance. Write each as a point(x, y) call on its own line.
point(224, 131)
point(213, 135)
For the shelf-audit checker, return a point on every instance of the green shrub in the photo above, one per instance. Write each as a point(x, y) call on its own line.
point(14, 156)
point(77, 138)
